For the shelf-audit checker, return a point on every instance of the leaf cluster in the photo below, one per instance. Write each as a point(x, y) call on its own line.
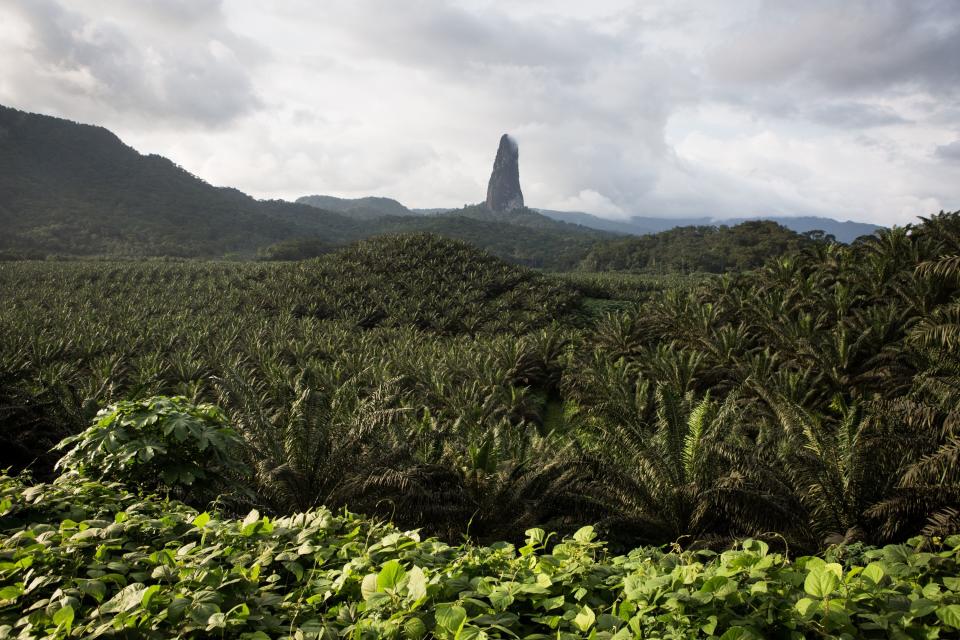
point(87, 559)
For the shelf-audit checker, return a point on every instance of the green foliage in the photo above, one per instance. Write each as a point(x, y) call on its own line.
point(691, 249)
point(422, 381)
point(296, 249)
point(521, 236)
point(155, 442)
point(368, 208)
point(86, 559)
point(431, 283)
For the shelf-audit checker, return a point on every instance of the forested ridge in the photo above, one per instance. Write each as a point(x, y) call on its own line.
point(711, 249)
point(74, 189)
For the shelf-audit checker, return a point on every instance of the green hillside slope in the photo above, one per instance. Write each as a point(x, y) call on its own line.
point(68, 188)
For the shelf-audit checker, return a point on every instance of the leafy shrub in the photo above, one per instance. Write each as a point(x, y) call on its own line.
point(86, 559)
point(156, 442)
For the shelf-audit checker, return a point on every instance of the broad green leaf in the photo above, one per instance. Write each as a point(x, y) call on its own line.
point(148, 595)
point(390, 575)
point(921, 607)
point(11, 592)
point(216, 621)
point(535, 537)
point(201, 520)
point(64, 616)
point(414, 629)
point(451, 617)
point(251, 518)
point(873, 572)
point(127, 598)
point(416, 583)
point(806, 606)
point(950, 615)
point(585, 534)
point(500, 599)
point(369, 586)
point(821, 582)
point(710, 626)
point(585, 619)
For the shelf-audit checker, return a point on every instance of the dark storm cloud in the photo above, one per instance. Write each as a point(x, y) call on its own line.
point(166, 72)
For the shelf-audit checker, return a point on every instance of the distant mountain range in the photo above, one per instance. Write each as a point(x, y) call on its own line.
point(371, 208)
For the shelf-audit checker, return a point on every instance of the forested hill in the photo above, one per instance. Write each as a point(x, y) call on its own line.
point(369, 208)
point(700, 248)
point(69, 188)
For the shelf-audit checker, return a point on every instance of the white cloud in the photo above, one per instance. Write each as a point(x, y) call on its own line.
point(588, 200)
point(619, 107)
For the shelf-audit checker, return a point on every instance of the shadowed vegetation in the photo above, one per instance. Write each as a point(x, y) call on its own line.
point(813, 400)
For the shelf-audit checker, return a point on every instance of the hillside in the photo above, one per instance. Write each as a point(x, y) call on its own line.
point(68, 188)
point(429, 283)
point(702, 248)
point(522, 236)
point(369, 208)
point(522, 240)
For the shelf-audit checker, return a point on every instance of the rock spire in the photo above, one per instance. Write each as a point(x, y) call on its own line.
point(503, 192)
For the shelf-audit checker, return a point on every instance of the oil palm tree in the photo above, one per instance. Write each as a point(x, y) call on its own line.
point(682, 475)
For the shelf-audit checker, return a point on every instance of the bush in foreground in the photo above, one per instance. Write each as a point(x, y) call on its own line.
point(159, 443)
point(80, 558)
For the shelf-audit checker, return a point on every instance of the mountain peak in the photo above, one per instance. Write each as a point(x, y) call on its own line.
point(503, 192)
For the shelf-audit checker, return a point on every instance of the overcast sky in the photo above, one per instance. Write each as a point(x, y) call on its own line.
point(737, 108)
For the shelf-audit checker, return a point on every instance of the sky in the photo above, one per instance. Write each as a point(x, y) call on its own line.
point(665, 108)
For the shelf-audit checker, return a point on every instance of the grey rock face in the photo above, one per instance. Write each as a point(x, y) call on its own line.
point(503, 192)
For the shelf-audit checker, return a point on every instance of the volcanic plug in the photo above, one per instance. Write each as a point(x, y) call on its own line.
point(503, 192)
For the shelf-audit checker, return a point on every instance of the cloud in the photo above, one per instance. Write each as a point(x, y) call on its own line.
point(853, 115)
point(846, 48)
point(949, 152)
point(85, 61)
point(588, 200)
point(667, 108)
